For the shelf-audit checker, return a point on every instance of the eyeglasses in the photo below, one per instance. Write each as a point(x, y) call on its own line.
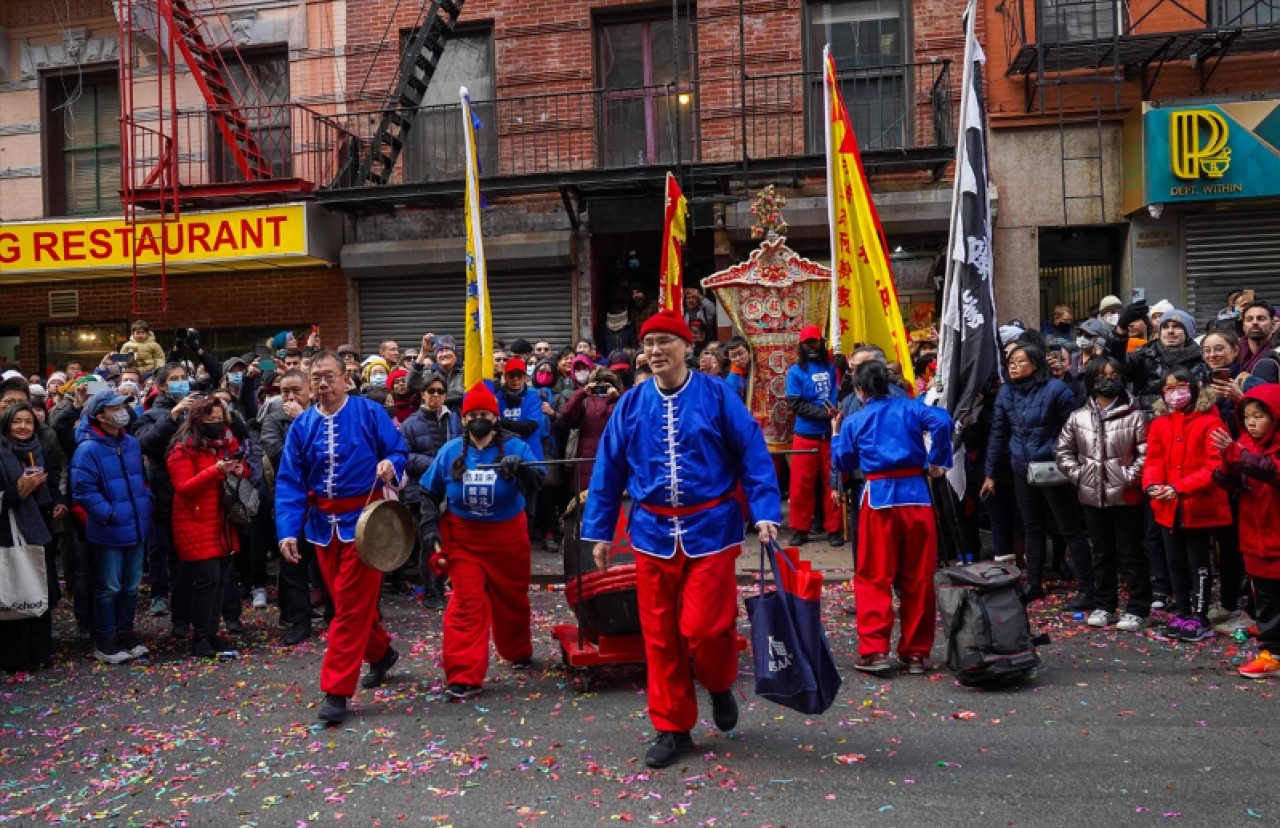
point(659, 342)
point(1018, 362)
point(434, 392)
point(545, 349)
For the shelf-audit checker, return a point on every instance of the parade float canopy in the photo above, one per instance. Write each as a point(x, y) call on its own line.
point(769, 298)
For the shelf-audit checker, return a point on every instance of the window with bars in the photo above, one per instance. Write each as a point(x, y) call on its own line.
point(82, 144)
point(434, 150)
point(260, 83)
point(1077, 21)
point(871, 46)
point(646, 112)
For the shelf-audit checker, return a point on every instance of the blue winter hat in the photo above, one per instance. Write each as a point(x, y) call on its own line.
point(1182, 318)
point(101, 400)
point(278, 341)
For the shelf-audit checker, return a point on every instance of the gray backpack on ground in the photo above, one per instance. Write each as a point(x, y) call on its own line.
point(985, 621)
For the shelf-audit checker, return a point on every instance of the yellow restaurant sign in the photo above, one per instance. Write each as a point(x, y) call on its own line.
point(253, 237)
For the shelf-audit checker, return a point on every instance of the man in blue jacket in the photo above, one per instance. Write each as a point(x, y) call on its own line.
point(811, 393)
point(109, 485)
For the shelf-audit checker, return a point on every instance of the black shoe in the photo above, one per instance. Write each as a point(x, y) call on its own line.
point(798, 539)
point(667, 748)
point(1033, 593)
point(181, 633)
point(201, 648)
point(233, 627)
point(552, 546)
point(835, 539)
point(459, 692)
point(334, 709)
point(221, 644)
point(1081, 603)
point(296, 634)
point(522, 664)
point(433, 601)
point(724, 710)
point(379, 669)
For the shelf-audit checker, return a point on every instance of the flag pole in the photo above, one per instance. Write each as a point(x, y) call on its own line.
point(833, 322)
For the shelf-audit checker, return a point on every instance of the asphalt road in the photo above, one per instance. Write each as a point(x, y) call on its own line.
point(1116, 729)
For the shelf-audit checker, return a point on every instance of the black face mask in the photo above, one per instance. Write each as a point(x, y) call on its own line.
point(1063, 328)
point(812, 354)
point(480, 429)
point(212, 431)
point(1109, 387)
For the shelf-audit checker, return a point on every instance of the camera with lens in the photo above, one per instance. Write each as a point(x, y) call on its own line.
point(187, 336)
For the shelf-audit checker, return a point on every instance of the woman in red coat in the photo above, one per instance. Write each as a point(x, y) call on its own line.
point(1186, 503)
point(589, 410)
point(203, 454)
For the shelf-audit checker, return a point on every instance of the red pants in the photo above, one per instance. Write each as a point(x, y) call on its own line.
point(489, 565)
point(805, 470)
point(688, 609)
point(896, 546)
point(356, 632)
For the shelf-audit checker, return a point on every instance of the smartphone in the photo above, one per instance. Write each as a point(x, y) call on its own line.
point(1138, 295)
point(266, 365)
point(121, 358)
point(96, 384)
point(1223, 374)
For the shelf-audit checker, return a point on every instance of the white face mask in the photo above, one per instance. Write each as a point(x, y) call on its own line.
point(1111, 319)
point(582, 377)
point(1083, 342)
point(120, 417)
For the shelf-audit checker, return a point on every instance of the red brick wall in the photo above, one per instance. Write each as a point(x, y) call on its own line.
point(206, 301)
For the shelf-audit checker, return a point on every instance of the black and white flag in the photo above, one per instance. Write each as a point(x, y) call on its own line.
point(969, 350)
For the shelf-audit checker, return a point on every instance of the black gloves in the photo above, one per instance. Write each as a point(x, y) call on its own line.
point(1132, 313)
point(510, 464)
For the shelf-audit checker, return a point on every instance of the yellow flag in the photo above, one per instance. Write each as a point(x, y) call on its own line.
point(478, 353)
point(864, 301)
point(674, 236)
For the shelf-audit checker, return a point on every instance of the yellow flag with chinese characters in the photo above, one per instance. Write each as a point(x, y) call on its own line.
point(674, 236)
point(864, 301)
point(478, 354)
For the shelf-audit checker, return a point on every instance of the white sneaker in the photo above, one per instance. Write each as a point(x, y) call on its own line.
point(1234, 623)
point(118, 657)
point(1006, 559)
point(1131, 623)
point(1218, 614)
point(259, 598)
point(1101, 618)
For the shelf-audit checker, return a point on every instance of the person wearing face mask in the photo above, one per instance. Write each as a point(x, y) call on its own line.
point(1060, 323)
point(203, 455)
point(374, 372)
point(897, 534)
point(109, 488)
point(154, 431)
point(553, 497)
point(1102, 450)
point(481, 541)
point(1109, 311)
point(811, 393)
point(241, 378)
point(340, 454)
point(425, 433)
point(1186, 504)
point(1029, 413)
point(579, 375)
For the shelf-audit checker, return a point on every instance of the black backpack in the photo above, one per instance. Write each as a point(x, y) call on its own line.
point(985, 620)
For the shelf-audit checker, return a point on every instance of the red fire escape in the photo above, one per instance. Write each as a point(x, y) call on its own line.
point(168, 150)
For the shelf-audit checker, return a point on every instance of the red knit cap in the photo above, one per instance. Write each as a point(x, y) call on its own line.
point(667, 322)
point(480, 398)
point(515, 365)
point(810, 332)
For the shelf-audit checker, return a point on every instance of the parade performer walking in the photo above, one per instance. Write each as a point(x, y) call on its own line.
point(811, 393)
point(897, 536)
point(482, 541)
point(682, 446)
point(337, 455)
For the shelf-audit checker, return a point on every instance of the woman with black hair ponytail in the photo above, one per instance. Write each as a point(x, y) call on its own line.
point(482, 541)
point(897, 535)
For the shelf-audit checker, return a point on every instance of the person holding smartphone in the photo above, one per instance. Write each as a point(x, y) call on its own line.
point(589, 409)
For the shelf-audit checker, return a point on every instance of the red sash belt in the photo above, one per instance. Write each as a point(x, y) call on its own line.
point(685, 511)
point(894, 474)
point(340, 505)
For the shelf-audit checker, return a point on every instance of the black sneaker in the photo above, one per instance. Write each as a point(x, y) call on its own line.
point(459, 692)
point(334, 709)
point(233, 627)
point(181, 633)
point(295, 635)
point(798, 539)
point(108, 651)
point(667, 748)
point(135, 648)
point(433, 601)
point(378, 670)
point(1083, 602)
point(522, 664)
point(724, 710)
point(221, 644)
point(552, 546)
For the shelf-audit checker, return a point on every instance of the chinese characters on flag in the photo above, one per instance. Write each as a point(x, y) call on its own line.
point(864, 301)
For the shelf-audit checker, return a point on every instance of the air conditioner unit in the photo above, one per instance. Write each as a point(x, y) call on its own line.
point(64, 304)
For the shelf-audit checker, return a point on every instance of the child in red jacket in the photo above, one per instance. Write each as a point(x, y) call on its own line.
point(1178, 477)
point(1252, 464)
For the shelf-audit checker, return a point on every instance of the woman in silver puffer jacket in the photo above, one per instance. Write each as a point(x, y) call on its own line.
point(1102, 449)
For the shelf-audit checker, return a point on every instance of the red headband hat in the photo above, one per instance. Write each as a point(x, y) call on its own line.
point(810, 332)
point(667, 322)
point(480, 398)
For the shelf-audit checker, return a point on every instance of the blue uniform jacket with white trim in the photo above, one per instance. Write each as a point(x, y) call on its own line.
point(888, 434)
point(681, 449)
point(816, 385)
point(335, 457)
